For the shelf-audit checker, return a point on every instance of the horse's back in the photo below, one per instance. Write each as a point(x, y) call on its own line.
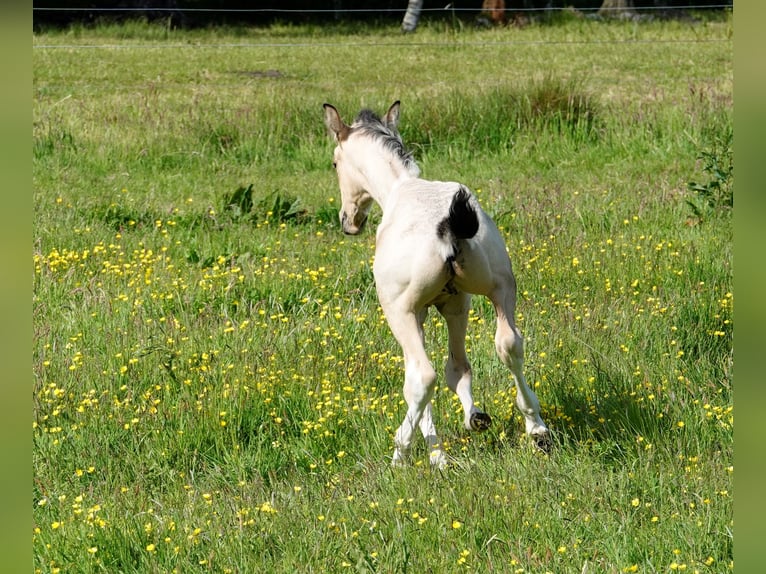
point(413, 215)
point(426, 201)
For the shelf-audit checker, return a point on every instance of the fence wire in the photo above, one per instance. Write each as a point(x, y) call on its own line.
point(447, 9)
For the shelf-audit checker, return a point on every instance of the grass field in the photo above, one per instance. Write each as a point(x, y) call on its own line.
point(215, 388)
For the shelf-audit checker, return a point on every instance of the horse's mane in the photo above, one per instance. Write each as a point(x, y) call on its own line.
point(369, 123)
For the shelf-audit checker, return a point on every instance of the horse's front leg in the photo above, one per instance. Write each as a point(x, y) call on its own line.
point(458, 369)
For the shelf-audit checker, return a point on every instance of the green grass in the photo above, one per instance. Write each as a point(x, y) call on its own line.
point(215, 388)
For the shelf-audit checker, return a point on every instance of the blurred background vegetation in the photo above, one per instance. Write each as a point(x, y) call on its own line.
point(195, 13)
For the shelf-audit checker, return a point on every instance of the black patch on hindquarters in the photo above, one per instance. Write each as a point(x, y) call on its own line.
point(462, 222)
point(462, 219)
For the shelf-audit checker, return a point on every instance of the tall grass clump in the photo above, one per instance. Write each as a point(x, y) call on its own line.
point(716, 195)
point(492, 120)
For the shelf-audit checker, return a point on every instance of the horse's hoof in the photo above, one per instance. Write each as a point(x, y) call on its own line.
point(400, 459)
point(480, 421)
point(543, 442)
point(438, 459)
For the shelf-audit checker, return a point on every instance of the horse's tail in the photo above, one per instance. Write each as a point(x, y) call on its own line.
point(462, 221)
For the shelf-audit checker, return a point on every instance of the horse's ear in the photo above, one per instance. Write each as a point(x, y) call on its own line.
point(338, 130)
point(391, 119)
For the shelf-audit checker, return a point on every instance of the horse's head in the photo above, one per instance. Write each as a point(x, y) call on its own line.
point(349, 162)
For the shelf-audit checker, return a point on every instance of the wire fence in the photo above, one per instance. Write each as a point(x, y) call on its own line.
point(446, 9)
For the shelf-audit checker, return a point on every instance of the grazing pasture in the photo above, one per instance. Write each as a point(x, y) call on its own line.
point(216, 388)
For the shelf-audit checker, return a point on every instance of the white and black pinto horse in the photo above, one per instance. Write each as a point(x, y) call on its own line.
point(435, 246)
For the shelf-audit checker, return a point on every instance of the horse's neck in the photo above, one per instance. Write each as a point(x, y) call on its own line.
point(384, 181)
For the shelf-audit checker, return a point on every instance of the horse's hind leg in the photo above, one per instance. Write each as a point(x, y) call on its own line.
point(419, 382)
point(458, 369)
point(509, 345)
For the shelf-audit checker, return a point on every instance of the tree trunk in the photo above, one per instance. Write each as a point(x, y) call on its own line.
point(411, 17)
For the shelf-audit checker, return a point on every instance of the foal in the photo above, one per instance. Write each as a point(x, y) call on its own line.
point(435, 246)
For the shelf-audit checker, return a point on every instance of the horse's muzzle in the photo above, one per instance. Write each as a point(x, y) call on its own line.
point(350, 227)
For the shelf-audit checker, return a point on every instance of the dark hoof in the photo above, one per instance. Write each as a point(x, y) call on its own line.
point(480, 421)
point(543, 442)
